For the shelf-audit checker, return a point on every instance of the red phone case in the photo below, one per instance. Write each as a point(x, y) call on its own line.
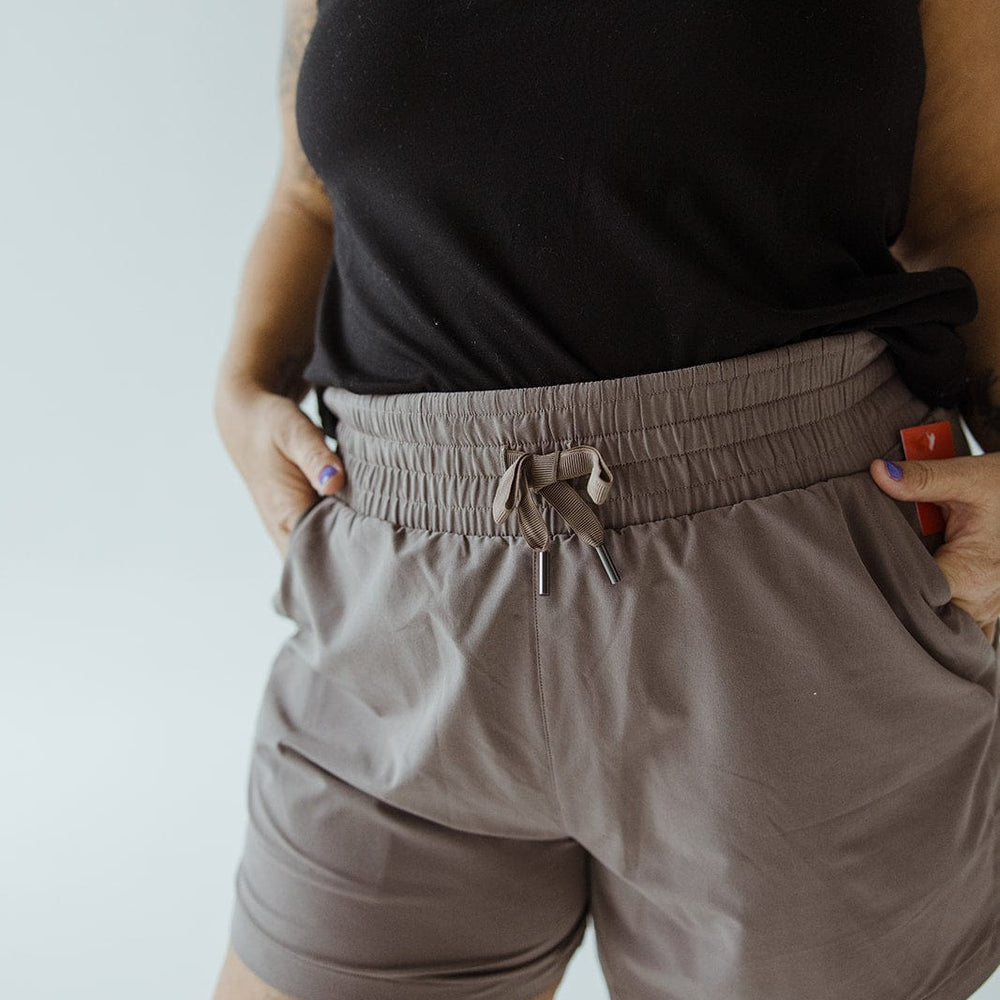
point(928, 441)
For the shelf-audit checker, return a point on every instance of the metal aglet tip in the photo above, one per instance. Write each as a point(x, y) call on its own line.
point(609, 567)
point(543, 571)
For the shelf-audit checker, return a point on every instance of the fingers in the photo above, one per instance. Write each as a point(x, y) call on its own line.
point(962, 479)
point(281, 454)
point(967, 488)
point(304, 443)
point(287, 464)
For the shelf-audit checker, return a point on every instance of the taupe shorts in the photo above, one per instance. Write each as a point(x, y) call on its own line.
point(765, 762)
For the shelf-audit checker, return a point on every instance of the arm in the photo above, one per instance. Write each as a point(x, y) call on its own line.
point(272, 333)
point(954, 211)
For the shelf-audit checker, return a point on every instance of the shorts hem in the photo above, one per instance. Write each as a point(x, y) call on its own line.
point(963, 981)
point(307, 978)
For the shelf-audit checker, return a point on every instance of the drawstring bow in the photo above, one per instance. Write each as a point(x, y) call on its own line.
point(532, 474)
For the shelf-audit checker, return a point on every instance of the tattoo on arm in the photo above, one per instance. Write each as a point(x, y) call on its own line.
point(300, 18)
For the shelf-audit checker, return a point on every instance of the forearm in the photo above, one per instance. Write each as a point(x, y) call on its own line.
point(975, 247)
point(272, 333)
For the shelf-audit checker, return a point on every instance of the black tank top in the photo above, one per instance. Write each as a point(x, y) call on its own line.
point(562, 190)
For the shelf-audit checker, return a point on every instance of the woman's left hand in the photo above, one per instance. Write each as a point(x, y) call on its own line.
point(967, 489)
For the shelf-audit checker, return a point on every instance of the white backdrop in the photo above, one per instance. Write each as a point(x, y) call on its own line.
point(136, 632)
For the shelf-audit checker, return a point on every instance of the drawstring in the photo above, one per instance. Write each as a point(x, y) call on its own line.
point(528, 474)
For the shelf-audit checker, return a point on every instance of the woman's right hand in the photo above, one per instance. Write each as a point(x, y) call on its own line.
point(280, 453)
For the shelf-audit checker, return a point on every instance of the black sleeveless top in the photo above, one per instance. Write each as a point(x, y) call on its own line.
point(567, 190)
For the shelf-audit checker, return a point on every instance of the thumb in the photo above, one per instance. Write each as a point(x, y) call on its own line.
point(935, 481)
point(308, 449)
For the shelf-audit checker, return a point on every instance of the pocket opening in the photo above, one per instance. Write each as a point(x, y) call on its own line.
point(280, 599)
point(904, 537)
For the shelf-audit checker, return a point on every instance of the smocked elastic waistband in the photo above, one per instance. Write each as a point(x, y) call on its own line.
point(673, 442)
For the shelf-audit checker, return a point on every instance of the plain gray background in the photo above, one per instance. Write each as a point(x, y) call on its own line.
point(142, 142)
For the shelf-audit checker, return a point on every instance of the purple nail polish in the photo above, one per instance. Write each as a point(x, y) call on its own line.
point(894, 470)
point(326, 473)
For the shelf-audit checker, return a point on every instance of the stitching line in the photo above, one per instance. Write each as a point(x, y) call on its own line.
point(541, 694)
point(637, 493)
point(811, 390)
point(707, 449)
point(559, 534)
point(787, 361)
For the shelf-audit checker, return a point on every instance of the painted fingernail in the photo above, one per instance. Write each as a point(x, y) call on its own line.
point(327, 472)
point(894, 470)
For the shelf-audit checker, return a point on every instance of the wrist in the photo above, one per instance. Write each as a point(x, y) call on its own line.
point(238, 397)
point(238, 384)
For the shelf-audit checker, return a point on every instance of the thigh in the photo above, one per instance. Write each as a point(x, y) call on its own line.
point(341, 895)
point(795, 791)
point(237, 982)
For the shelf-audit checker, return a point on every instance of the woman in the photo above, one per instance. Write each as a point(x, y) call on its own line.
point(619, 279)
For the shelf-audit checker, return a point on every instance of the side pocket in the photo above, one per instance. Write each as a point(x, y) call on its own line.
point(900, 558)
point(281, 599)
point(930, 543)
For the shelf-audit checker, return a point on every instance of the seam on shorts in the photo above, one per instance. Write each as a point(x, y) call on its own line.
point(541, 700)
point(787, 362)
point(366, 464)
point(446, 981)
point(297, 955)
point(510, 539)
point(624, 430)
point(744, 475)
point(645, 493)
point(986, 946)
point(515, 538)
point(636, 493)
